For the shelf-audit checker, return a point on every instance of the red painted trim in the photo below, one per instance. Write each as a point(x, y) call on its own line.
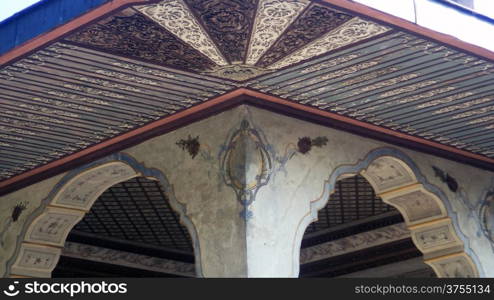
point(382, 17)
point(48, 37)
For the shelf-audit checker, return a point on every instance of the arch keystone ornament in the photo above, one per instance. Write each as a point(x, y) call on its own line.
point(246, 164)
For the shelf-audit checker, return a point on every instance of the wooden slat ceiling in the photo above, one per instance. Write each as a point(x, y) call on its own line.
point(147, 62)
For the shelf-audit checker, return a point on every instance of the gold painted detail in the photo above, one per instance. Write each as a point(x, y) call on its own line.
point(49, 111)
point(109, 84)
point(425, 95)
point(92, 91)
point(78, 97)
point(370, 76)
point(176, 17)
point(408, 88)
point(481, 120)
point(126, 77)
point(237, 71)
point(462, 106)
point(59, 103)
point(350, 32)
point(273, 17)
point(328, 64)
point(445, 100)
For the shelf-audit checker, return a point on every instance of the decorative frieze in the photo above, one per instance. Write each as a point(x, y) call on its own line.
point(84, 189)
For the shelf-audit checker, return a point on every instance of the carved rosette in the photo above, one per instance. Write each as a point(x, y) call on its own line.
point(246, 164)
point(239, 72)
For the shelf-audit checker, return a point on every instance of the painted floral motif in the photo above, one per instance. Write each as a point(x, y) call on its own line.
point(273, 17)
point(136, 36)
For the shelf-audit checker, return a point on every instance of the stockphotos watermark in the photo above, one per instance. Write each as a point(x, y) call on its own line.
point(71, 289)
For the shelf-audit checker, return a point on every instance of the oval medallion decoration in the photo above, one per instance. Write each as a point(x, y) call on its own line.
point(246, 164)
point(487, 216)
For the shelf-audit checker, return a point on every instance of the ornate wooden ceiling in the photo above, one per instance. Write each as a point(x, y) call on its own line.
point(147, 62)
